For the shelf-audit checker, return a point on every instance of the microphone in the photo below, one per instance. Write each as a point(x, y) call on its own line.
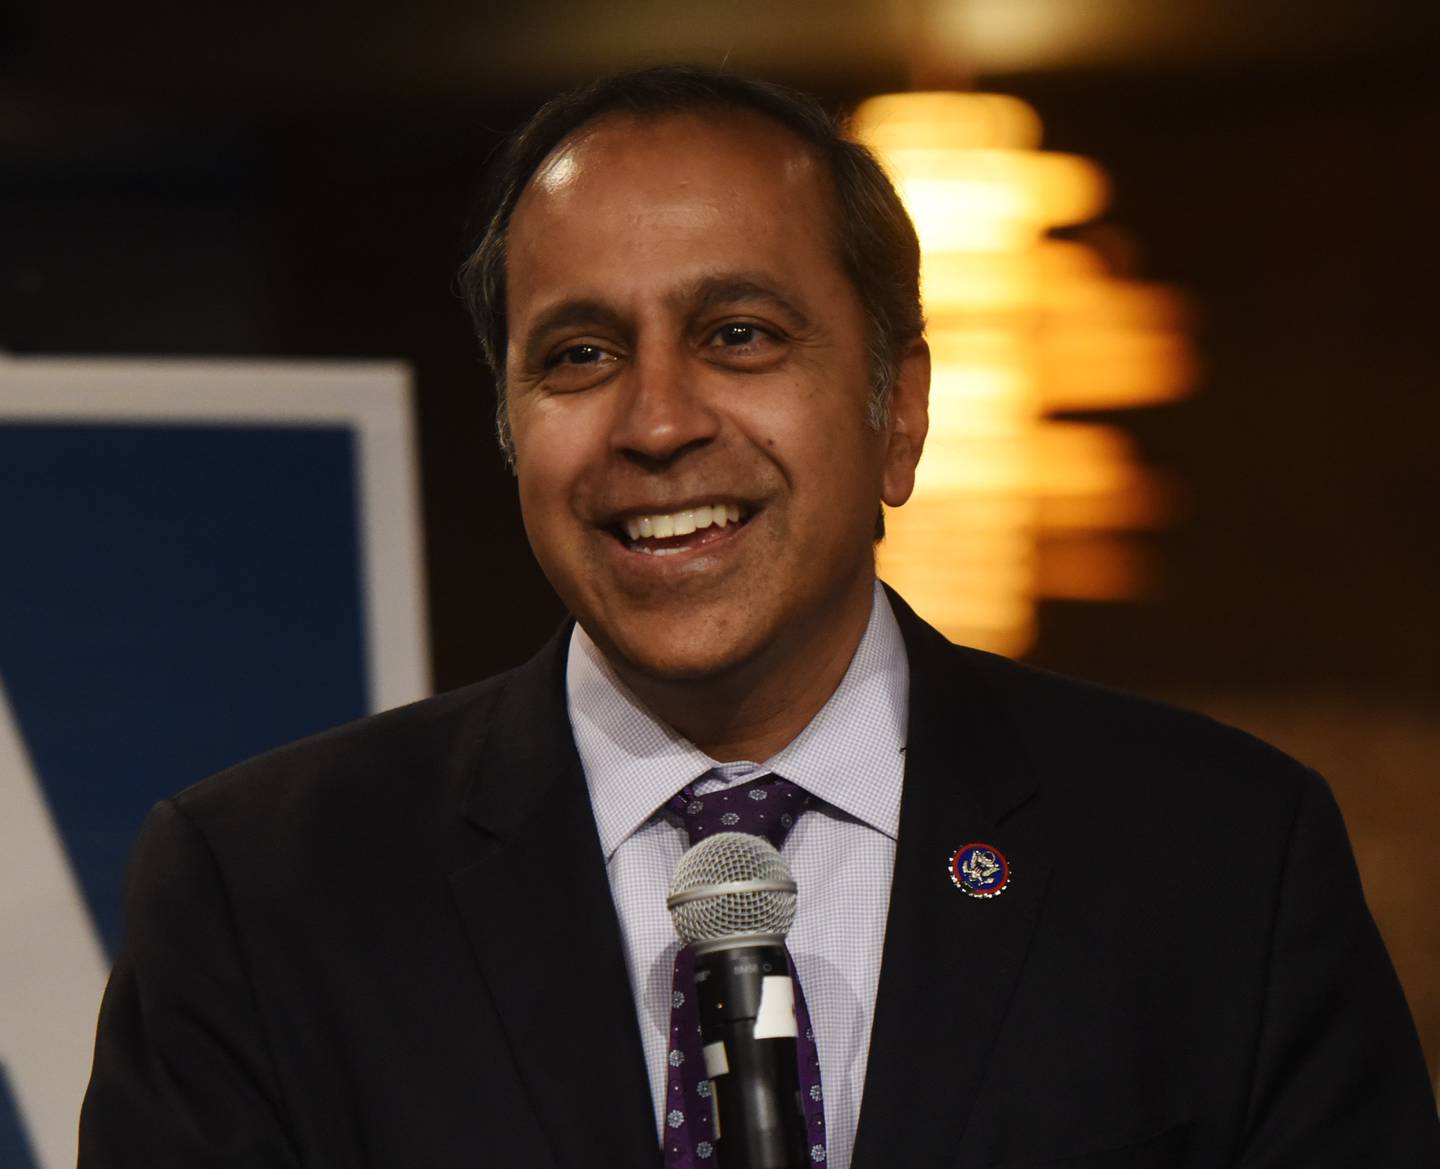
point(732, 900)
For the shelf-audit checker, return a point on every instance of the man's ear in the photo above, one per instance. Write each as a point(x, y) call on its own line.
point(908, 422)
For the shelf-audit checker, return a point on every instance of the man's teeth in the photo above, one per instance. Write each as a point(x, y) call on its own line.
point(681, 523)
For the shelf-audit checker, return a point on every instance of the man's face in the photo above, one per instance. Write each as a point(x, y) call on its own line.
point(685, 349)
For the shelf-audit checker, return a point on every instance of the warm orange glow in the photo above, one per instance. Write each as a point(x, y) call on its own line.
point(1091, 568)
point(994, 200)
point(948, 121)
point(1143, 502)
point(1107, 370)
point(1011, 505)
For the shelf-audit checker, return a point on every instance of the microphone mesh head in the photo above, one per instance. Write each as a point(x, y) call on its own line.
point(721, 859)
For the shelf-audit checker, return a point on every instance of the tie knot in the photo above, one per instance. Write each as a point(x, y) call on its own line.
point(768, 807)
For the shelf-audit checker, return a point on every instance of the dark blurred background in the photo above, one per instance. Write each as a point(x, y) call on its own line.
point(290, 180)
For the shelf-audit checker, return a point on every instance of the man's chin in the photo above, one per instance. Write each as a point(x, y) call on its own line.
point(679, 658)
point(689, 667)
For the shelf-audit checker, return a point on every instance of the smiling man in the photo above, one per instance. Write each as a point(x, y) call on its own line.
point(687, 373)
point(438, 937)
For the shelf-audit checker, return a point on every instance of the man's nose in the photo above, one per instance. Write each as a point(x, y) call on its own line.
point(664, 411)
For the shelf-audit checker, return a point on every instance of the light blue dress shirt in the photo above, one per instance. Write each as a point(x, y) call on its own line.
point(842, 853)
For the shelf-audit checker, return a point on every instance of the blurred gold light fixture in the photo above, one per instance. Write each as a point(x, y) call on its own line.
point(1011, 503)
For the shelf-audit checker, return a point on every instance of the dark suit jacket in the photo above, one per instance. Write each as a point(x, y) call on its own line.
point(394, 945)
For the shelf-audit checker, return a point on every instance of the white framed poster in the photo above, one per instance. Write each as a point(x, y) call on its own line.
point(199, 560)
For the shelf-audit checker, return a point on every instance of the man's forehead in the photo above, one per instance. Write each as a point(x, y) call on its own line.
point(629, 142)
point(652, 207)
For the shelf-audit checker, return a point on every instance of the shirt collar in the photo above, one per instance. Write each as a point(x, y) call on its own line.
point(850, 755)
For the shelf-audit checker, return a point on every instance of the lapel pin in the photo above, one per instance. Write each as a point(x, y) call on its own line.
point(979, 870)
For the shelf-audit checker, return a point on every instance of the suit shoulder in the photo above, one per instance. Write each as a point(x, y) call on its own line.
point(377, 760)
point(1099, 736)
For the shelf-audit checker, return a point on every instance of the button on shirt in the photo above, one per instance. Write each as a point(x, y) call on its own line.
point(842, 851)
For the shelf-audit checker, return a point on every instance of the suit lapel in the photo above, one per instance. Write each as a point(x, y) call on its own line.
point(951, 960)
point(544, 931)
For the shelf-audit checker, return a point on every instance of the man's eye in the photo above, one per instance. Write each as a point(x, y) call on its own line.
point(739, 335)
point(578, 366)
point(578, 355)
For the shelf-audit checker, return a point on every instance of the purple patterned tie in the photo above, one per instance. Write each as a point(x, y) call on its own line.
point(768, 807)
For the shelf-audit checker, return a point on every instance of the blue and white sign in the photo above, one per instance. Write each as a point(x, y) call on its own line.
point(198, 561)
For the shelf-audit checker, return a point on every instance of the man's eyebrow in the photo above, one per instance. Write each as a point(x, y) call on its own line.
point(567, 314)
point(711, 292)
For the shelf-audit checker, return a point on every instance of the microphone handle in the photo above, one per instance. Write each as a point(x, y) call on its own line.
point(747, 1023)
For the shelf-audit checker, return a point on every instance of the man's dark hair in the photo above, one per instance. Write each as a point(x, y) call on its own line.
point(877, 241)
